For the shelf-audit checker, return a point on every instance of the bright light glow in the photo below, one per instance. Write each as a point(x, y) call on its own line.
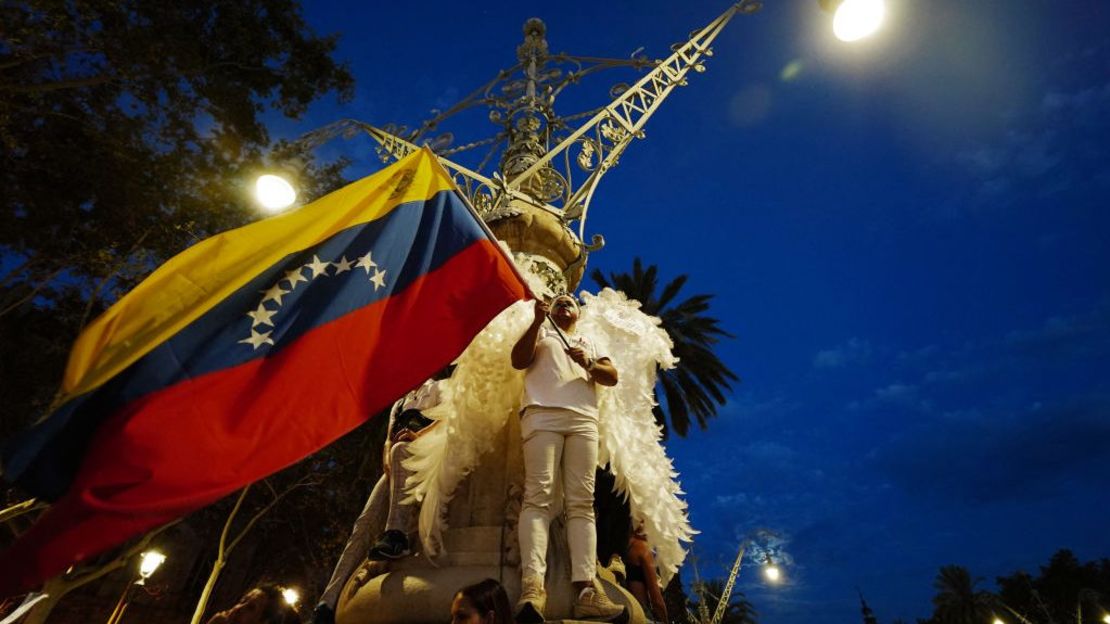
point(274, 192)
point(150, 561)
point(773, 573)
point(856, 19)
point(998, 621)
point(1106, 618)
point(291, 596)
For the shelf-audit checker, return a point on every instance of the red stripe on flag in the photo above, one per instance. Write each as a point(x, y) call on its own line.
point(188, 445)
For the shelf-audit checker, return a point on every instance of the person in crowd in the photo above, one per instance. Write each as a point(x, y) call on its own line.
point(406, 423)
point(264, 604)
point(641, 579)
point(559, 428)
point(481, 603)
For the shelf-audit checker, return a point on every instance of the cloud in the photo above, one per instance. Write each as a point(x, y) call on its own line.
point(854, 351)
point(970, 457)
point(1075, 335)
point(1045, 151)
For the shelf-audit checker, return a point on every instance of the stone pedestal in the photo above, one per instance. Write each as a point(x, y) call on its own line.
point(481, 544)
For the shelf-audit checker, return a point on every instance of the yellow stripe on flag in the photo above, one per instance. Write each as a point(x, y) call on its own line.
point(194, 281)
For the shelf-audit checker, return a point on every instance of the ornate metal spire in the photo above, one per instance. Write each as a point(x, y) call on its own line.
point(546, 166)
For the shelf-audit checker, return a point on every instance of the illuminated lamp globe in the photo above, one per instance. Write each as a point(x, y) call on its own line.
point(773, 573)
point(150, 561)
point(274, 192)
point(856, 19)
point(998, 621)
point(291, 596)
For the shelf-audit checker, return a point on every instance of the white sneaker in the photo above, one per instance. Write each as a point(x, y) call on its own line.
point(593, 604)
point(616, 566)
point(533, 599)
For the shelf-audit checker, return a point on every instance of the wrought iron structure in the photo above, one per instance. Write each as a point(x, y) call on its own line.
point(544, 160)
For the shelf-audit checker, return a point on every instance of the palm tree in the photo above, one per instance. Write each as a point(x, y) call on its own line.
point(696, 387)
point(737, 611)
point(957, 601)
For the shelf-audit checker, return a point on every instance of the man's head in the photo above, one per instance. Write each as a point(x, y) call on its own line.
point(564, 311)
point(261, 605)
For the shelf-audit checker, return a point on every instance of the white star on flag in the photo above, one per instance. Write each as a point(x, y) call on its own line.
point(276, 292)
point(378, 278)
point(317, 267)
point(366, 262)
point(262, 316)
point(258, 339)
point(342, 265)
point(295, 276)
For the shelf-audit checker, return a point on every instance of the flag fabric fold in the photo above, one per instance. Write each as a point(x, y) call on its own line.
point(250, 351)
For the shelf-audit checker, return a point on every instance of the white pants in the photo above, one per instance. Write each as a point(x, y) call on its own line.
point(575, 455)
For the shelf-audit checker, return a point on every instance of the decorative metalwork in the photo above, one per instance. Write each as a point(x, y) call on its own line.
point(521, 102)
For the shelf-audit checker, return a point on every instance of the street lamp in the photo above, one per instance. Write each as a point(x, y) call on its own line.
point(274, 192)
point(855, 19)
point(291, 596)
point(149, 562)
point(1106, 618)
point(998, 620)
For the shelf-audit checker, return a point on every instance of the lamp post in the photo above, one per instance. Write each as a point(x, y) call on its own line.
point(771, 571)
point(148, 564)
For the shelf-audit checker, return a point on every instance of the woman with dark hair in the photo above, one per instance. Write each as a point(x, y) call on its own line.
point(262, 605)
point(482, 603)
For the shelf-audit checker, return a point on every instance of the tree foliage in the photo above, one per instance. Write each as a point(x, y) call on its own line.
point(697, 386)
point(738, 610)
point(128, 131)
point(1064, 590)
point(957, 600)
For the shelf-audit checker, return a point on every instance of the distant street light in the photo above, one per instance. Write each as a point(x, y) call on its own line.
point(274, 192)
point(855, 19)
point(1106, 618)
point(291, 596)
point(149, 562)
point(998, 621)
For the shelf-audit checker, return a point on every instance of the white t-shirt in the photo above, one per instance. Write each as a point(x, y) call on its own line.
point(556, 381)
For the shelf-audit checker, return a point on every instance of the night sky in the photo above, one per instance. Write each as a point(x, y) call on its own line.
point(909, 236)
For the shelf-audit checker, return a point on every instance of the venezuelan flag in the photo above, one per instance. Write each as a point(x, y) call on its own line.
point(248, 352)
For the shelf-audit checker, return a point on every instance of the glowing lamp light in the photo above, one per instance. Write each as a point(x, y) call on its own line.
point(291, 596)
point(150, 561)
point(773, 573)
point(274, 192)
point(998, 621)
point(856, 19)
point(1106, 618)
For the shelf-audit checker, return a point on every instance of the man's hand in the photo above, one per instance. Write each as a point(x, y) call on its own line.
point(541, 309)
point(578, 354)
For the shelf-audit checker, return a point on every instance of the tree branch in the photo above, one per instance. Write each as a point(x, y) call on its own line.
point(22, 508)
point(59, 85)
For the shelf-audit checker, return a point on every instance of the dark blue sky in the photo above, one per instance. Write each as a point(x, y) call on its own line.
point(910, 238)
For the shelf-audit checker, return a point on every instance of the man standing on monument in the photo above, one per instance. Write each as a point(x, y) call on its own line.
point(560, 437)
